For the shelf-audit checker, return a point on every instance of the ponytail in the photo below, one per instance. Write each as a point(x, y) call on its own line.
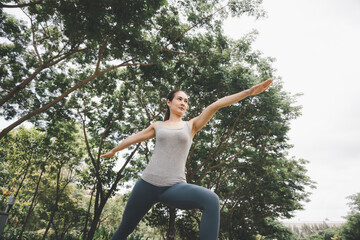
point(167, 114)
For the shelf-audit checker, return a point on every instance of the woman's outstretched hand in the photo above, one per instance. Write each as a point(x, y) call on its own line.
point(261, 87)
point(109, 154)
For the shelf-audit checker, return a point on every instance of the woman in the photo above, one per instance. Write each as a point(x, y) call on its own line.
point(163, 180)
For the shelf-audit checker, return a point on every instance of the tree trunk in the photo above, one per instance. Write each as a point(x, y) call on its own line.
point(171, 229)
point(88, 215)
point(95, 220)
point(31, 206)
point(23, 179)
point(102, 197)
point(54, 209)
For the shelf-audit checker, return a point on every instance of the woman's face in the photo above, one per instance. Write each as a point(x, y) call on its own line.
point(179, 103)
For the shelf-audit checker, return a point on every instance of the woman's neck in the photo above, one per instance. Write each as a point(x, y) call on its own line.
point(175, 118)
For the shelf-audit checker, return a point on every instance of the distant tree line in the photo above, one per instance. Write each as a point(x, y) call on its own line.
point(324, 231)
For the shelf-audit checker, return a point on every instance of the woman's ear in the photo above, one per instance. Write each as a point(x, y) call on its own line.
point(168, 102)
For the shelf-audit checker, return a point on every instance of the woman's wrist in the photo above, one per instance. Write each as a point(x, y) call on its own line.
point(250, 91)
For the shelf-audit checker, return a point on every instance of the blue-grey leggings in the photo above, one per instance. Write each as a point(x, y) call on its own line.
point(181, 195)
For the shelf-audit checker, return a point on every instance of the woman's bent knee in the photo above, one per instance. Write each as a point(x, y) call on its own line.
point(212, 200)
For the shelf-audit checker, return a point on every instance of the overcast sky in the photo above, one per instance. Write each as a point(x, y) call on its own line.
point(316, 44)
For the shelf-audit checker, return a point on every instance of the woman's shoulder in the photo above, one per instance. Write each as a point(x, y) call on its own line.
point(155, 124)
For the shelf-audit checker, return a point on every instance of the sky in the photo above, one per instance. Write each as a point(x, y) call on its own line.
point(316, 44)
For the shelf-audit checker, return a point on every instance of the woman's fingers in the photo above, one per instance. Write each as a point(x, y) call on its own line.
point(268, 83)
point(262, 86)
point(108, 155)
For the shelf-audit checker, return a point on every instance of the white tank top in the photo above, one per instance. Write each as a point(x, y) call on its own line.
point(167, 163)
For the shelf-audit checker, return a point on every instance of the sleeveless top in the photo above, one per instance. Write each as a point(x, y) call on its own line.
point(167, 164)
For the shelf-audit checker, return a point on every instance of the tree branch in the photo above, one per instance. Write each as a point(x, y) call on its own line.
point(96, 167)
point(119, 174)
point(20, 5)
point(95, 75)
point(102, 49)
point(34, 38)
point(227, 160)
point(183, 53)
point(210, 156)
point(107, 129)
point(219, 150)
point(193, 26)
point(188, 171)
point(45, 65)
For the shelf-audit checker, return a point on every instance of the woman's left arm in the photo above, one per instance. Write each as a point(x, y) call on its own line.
point(200, 121)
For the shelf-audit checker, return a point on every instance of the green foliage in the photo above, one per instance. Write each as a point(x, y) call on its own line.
point(242, 153)
point(12, 234)
point(327, 234)
point(112, 213)
point(272, 229)
point(95, 35)
point(70, 45)
point(39, 167)
point(351, 229)
point(354, 203)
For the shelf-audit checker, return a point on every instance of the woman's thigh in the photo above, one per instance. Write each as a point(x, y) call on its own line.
point(142, 198)
point(189, 196)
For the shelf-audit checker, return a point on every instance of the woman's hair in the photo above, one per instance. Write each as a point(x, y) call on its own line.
point(170, 97)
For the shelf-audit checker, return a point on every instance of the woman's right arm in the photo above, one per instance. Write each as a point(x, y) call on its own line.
point(143, 135)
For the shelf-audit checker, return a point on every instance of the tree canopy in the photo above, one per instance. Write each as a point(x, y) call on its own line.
point(98, 35)
point(351, 229)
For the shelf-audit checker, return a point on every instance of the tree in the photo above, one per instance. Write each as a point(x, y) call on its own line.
point(272, 229)
point(64, 217)
point(351, 229)
point(92, 33)
point(23, 158)
point(40, 167)
point(60, 30)
point(242, 153)
point(102, 105)
point(327, 234)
